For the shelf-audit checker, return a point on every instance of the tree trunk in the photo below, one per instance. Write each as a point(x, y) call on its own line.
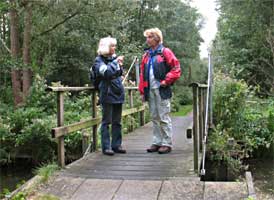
point(14, 31)
point(15, 48)
point(27, 34)
point(27, 79)
point(16, 86)
point(27, 72)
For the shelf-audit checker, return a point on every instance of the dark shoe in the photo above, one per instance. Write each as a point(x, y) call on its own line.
point(119, 150)
point(164, 149)
point(108, 152)
point(153, 148)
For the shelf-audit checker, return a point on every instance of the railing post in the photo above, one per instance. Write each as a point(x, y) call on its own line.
point(142, 118)
point(60, 122)
point(94, 114)
point(85, 140)
point(130, 97)
point(195, 126)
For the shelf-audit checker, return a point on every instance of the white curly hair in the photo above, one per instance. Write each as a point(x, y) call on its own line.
point(104, 45)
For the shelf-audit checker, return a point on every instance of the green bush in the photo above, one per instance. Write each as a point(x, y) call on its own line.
point(6, 95)
point(184, 95)
point(229, 100)
point(40, 98)
point(181, 96)
point(27, 129)
point(241, 116)
point(222, 151)
point(6, 142)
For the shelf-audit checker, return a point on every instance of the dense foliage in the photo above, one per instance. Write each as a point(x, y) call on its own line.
point(64, 38)
point(243, 92)
point(244, 46)
point(244, 123)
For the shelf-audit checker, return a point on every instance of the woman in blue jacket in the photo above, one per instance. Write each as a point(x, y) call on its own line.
point(108, 67)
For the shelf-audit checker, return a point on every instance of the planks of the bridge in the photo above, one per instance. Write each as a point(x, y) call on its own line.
point(140, 175)
point(133, 166)
point(137, 163)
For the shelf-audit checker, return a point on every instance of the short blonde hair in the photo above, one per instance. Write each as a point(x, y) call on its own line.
point(104, 45)
point(157, 33)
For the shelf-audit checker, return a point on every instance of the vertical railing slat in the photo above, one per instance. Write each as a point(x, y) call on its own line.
point(94, 114)
point(60, 122)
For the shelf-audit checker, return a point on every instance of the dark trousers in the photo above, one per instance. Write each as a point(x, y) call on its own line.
point(111, 115)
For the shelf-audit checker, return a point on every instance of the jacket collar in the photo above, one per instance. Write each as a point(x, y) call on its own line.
point(158, 50)
point(107, 59)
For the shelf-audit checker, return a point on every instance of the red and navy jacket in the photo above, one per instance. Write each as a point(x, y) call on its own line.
point(166, 69)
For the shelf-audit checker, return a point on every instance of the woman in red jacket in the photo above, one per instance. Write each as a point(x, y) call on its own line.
point(159, 70)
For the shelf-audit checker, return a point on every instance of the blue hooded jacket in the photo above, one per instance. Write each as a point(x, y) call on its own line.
point(111, 89)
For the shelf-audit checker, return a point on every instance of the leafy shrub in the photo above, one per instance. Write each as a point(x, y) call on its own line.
point(40, 98)
point(240, 116)
point(28, 129)
point(184, 95)
point(6, 142)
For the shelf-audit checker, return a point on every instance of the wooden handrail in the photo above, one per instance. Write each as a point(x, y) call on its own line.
point(60, 131)
point(64, 130)
point(75, 89)
point(200, 85)
point(68, 89)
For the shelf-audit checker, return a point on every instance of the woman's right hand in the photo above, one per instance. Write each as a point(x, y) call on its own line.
point(120, 60)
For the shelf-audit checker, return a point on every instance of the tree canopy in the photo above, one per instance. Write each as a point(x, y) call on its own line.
point(244, 46)
point(64, 34)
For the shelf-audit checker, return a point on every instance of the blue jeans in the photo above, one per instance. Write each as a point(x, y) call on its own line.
point(111, 114)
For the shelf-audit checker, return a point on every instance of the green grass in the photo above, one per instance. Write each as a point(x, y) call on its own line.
point(46, 171)
point(183, 110)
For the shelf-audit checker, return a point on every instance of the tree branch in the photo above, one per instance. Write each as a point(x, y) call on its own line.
point(4, 44)
point(266, 62)
point(58, 24)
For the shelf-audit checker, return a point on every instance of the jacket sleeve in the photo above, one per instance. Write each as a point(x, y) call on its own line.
point(174, 64)
point(108, 71)
point(141, 83)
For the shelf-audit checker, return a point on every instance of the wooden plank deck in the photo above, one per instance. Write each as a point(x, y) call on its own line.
point(137, 163)
point(138, 174)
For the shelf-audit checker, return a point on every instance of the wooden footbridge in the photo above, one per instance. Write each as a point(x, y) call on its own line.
point(138, 174)
point(141, 175)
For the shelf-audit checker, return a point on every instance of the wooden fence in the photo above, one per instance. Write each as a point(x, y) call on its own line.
point(60, 131)
point(199, 115)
